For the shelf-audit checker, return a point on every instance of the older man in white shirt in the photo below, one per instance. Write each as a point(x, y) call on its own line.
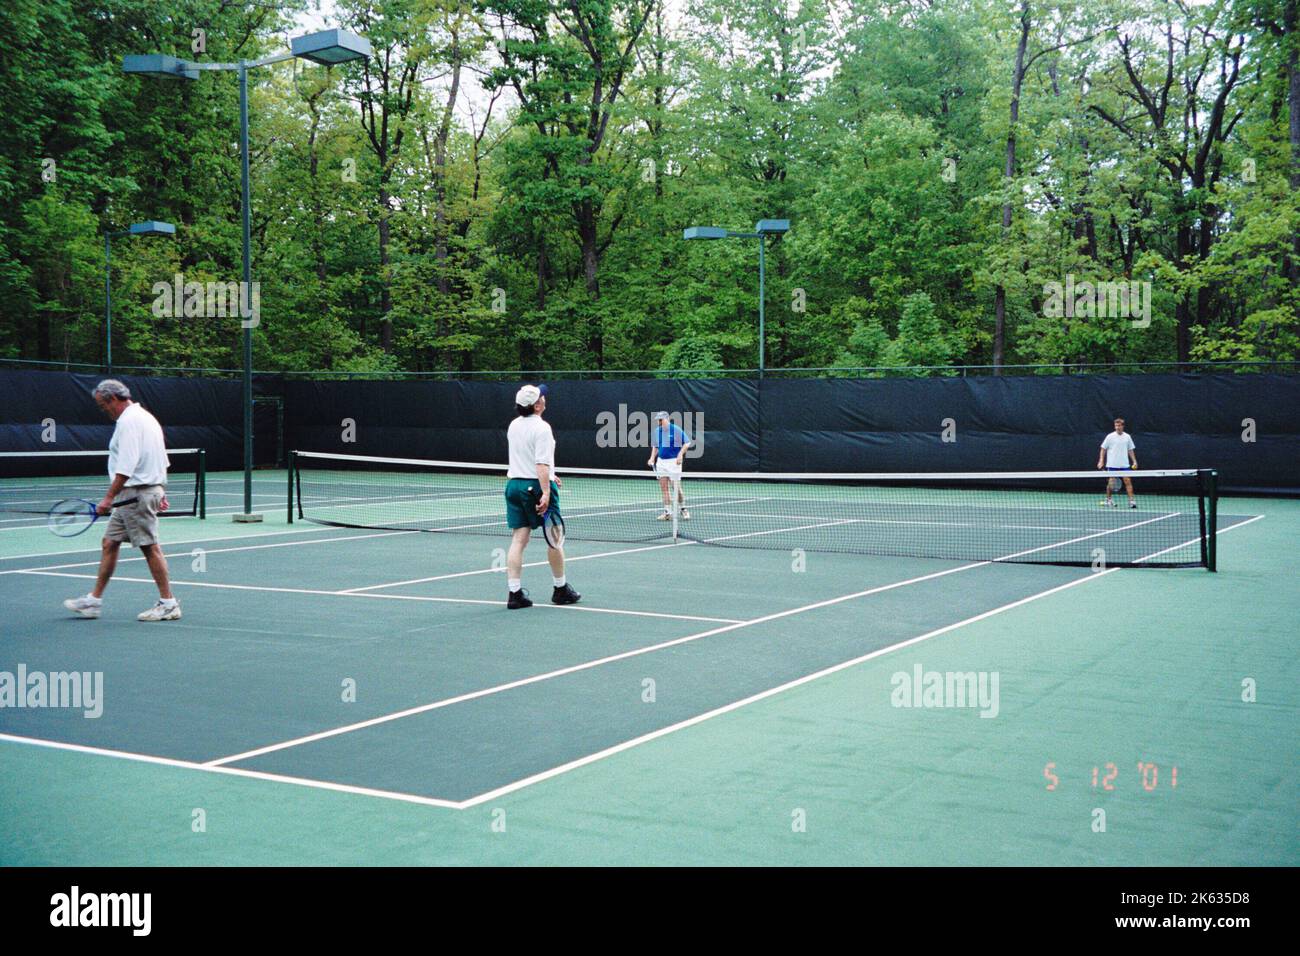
point(137, 469)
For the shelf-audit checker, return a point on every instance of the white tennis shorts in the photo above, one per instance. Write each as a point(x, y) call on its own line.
point(667, 468)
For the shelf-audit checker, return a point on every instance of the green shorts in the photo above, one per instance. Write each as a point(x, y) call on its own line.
point(522, 495)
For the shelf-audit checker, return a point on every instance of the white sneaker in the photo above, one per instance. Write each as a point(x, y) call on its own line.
point(685, 515)
point(664, 517)
point(85, 606)
point(161, 612)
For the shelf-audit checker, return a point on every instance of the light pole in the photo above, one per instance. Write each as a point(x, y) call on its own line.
point(326, 47)
point(765, 227)
point(150, 228)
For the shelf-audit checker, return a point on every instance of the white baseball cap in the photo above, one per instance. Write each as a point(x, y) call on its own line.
point(529, 394)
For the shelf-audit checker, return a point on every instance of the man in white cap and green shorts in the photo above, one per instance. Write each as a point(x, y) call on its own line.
point(532, 488)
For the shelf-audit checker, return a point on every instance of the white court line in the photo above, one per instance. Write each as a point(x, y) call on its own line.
point(770, 692)
point(586, 608)
point(653, 547)
point(237, 491)
point(497, 521)
point(759, 534)
point(941, 524)
point(37, 519)
point(1197, 540)
point(520, 784)
point(645, 650)
point(1005, 557)
point(354, 537)
point(236, 537)
point(1061, 544)
point(314, 529)
point(575, 668)
point(216, 767)
point(388, 496)
point(231, 771)
point(568, 559)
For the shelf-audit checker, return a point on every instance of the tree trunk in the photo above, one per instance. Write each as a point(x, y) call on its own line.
point(543, 269)
point(440, 199)
point(1184, 310)
point(1290, 29)
point(660, 99)
point(591, 276)
point(385, 294)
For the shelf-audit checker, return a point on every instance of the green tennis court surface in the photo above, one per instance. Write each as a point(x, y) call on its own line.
point(701, 705)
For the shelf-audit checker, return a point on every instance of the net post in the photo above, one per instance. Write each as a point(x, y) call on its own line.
point(288, 498)
point(203, 484)
point(1210, 538)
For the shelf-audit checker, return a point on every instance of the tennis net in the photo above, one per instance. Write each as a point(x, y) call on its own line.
point(1031, 517)
point(32, 481)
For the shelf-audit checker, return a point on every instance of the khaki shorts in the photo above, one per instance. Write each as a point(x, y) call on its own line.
point(137, 522)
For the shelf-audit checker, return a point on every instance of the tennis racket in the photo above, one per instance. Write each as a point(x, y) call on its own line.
point(71, 516)
point(553, 526)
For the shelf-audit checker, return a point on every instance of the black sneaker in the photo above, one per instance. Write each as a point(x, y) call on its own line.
point(518, 599)
point(565, 595)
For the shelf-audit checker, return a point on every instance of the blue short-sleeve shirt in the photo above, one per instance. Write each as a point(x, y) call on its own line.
point(670, 441)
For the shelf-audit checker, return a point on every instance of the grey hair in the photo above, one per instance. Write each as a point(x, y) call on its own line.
point(111, 386)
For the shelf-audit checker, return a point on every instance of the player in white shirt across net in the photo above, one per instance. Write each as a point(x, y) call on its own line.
point(1118, 454)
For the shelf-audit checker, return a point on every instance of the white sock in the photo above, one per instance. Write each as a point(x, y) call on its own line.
point(514, 584)
point(167, 602)
point(559, 582)
point(94, 600)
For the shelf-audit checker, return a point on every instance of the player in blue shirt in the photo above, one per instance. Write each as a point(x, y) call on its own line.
point(668, 448)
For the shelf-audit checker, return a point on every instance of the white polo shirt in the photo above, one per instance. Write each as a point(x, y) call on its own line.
point(532, 443)
point(1117, 448)
point(137, 449)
